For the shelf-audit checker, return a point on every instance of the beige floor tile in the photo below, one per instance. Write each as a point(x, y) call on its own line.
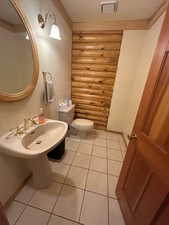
point(113, 144)
point(56, 220)
point(93, 131)
point(72, 145)
point(101, 132)
point(26, 194)
point(101, 135)
point(77, 177)
point(71, 138)
point(14, 211)
point(115, 215)
point(33, 216)
point(98, 164)
point(112, 181)
point(114, 167)
point(45, 199)
point(81, 160)
point(69, 203)
point(75, 137)
point(114, 155)
point(83, 135)
point(123, 154)
point(100, 142)
point(99, 148)
point(85, 148)
point(97, 182)
point(89, 139)
point(123, 146)
point(68, 157)
point(90, 142)
point(94, 210)
point(60, 171)
point(120, 136)
point(113, 136)
point(99, 151)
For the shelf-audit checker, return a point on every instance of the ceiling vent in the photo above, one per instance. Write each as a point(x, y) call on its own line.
point(109, 6)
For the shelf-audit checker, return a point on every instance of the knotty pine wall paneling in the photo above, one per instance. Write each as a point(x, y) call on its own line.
point(94, 65)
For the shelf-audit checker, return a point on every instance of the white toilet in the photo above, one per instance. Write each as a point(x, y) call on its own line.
point(80, 125)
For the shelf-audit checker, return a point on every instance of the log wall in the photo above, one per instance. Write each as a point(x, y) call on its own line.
point(94, 66)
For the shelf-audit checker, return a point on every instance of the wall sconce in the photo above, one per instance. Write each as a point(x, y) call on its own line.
point(54, 30)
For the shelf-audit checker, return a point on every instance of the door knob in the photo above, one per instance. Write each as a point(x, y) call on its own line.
point(133, 136)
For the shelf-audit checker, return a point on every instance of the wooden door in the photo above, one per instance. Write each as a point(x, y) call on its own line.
point(94, 66)
point(143, 187)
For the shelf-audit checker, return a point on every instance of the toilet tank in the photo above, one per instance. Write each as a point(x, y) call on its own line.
point(67, 114)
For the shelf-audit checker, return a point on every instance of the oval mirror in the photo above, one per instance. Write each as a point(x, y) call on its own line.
point(19, 67)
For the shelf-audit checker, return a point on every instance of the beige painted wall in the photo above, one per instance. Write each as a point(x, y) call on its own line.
point(55, 57)
point(150, 44)
point(128, 63)
point(137, 52)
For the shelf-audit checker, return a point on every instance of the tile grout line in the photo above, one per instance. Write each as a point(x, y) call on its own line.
point(86, 183)
point(70, 165)
point(21, 213)
point(50, 213)
point(65, 218)
point(43, 210)
point(26, 204)
point(107, 181)
point(63, 184)
point(121, 150)
point(93, 169)
point(107, 174)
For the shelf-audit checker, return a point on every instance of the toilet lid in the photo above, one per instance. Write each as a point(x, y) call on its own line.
point(82, 124)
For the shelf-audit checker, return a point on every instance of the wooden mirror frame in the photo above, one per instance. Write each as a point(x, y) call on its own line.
point(6, 97)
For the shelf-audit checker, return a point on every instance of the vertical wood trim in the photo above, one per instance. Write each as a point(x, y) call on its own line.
point(153, 74)
point(158, 13)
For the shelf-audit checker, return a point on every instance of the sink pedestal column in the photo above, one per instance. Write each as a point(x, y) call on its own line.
point(42, 172)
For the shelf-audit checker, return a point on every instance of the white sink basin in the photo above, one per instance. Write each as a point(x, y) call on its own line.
point(34, 145)
point(38, 140)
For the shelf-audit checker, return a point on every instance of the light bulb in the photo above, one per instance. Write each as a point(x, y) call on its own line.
point(27, 37)
point(55, 32)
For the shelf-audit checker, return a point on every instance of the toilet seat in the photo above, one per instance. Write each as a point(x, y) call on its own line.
point(83, 124)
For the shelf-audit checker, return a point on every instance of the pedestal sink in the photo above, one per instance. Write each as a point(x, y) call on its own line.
point(33, 146)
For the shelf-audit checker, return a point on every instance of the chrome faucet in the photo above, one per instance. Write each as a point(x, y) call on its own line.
point(16, 131)
point(26, 123)
point(33, 121)
point(19, 131)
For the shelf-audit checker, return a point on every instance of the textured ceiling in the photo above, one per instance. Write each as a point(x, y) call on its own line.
point(89, 10)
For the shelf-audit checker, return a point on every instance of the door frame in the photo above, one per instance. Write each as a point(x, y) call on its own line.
point(152, 80)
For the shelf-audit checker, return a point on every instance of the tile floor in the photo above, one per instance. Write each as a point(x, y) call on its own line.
point(83, 191)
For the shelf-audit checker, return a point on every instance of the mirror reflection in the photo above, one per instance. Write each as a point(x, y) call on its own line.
point(16, 61)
